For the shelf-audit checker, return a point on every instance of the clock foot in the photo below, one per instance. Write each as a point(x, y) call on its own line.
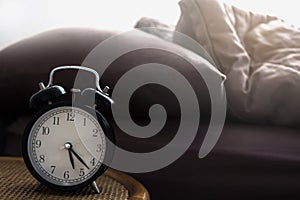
point(95, 187)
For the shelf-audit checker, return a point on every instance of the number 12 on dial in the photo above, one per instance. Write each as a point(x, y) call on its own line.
point(65, 147)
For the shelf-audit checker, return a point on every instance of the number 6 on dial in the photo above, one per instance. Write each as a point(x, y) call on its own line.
point(65, 146)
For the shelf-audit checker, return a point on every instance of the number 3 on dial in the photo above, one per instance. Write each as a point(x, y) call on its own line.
point(65, 146)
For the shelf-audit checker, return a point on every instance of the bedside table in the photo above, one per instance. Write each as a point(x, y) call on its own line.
point(17, 183)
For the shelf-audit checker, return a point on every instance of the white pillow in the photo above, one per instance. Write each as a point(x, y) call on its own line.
point(220, 28)
point(262, 68)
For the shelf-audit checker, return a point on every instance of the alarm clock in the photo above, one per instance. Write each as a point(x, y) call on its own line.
point(65, 145)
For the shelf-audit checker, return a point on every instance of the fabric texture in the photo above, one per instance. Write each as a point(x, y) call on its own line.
point(168, 33)
point(156, 27)
point(18, 183)
point(259, 54)
point(183, 27)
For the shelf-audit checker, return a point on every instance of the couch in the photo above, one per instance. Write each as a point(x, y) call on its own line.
point(249, 161)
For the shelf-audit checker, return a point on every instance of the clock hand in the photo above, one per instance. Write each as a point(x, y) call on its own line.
point(71, 158)
point(68, 146)
point(79, 158)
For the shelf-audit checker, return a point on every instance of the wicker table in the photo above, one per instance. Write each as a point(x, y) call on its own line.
point(17, 183)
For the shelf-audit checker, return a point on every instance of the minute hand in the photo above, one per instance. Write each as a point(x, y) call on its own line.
point(79, 158)
point(71, 158)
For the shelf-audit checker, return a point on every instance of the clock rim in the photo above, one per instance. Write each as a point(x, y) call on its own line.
point(105, 125)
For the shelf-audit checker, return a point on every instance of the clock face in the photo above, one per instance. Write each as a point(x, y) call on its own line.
point(66, 147)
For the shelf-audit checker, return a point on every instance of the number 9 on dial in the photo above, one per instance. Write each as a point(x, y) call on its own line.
point(65, 145)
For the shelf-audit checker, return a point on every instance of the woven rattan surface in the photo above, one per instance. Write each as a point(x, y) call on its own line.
point(17, 183)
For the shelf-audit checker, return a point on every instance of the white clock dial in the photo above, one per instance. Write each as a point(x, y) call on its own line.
point(66, 146)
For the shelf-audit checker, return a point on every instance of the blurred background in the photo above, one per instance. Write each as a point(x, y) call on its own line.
point(19, 18)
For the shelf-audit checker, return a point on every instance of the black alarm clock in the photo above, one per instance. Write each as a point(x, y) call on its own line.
point(65, 145)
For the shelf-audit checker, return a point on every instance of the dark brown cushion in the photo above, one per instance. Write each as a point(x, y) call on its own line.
point(25, 63)
point(28, 62)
